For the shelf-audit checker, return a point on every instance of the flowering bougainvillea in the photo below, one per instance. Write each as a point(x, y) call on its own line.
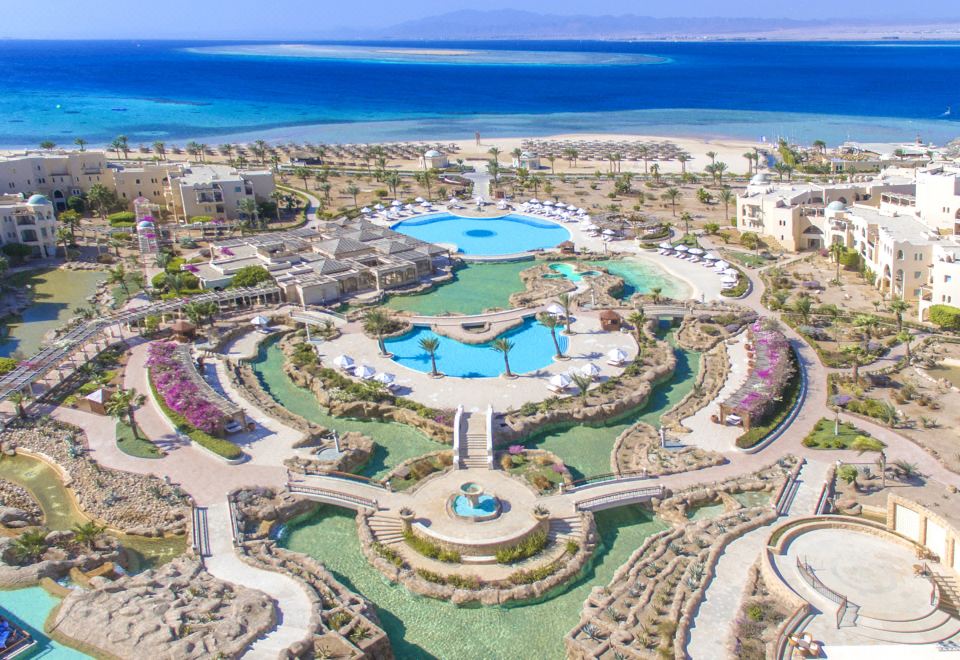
point(772, 370)
point(181, 394)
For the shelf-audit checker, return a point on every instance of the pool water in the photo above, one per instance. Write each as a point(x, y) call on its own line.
point(950, 373)
point(474, 289)
point(533, 349)
point(571, 273)
point(56, 294)
point(486, 504)
point(509, 234)
point(643, 276)
point(421, 627)
point(706, 511)
point(61, 513)
point(29, 609)
point(586, 449)
point(395, 443)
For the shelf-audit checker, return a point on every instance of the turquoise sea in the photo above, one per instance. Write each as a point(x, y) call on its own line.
point(217, 92)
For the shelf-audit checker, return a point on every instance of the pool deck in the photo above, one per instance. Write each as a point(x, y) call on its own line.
point(589, 344)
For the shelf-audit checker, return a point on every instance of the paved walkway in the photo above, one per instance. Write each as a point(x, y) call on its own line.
point(704, 432)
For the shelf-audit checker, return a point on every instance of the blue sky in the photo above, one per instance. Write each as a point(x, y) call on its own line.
point(278, 19)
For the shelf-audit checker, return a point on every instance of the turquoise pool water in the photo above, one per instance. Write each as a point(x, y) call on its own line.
point(426, 628)
point(486, 504)
point(642, 277)
point(508, 234)
point(571, 273)
point(533, 349)
point(395, 443)
point(29, 609)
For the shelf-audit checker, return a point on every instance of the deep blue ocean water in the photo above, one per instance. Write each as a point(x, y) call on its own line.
point(162, 90)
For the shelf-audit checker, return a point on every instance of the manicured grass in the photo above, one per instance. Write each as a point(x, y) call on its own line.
point(822, 436)
point(747, 259)
point(136, 447)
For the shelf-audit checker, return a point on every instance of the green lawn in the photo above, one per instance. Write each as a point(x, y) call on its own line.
point(137, 447)
point(822, 436)
point(747, 259)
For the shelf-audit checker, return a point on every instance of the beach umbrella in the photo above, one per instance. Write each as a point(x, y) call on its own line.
point(426, 204)
point(343, 362)
point(534, 201)
point(260, 321)
point(666, 246)
point(695, 250)
point(418, 200)
point(379, 207)
point(710, 256)
point(571, 207)
point(617, 355)
point(681, 248)
point(556, 309)
point(609, 232)
point(453, 201)
point(560, 381)
point(365, 210)
point(590, 370)
point(364, 372)
point(385, 378)
point(721, 265)
point(548, 203)
point(731, 271)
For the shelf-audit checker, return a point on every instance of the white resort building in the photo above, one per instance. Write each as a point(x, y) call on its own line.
point(903, 224)
point(434, 160)
point(322, 267)
point(28, 221)
point(214, 191)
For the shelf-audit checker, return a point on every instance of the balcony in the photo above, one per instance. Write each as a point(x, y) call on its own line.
point(26, 221)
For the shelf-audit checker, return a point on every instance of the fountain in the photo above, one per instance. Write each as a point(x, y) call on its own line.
point(473, 504)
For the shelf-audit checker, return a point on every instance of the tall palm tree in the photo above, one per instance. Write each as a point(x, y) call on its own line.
point(353, 190)
point(120, 405)
point(837, 251)
point(718, 170)
point(160, 148)
point(118, 275)
point(99, 196)
point(644, 152)
point(857, 355)
point(80, 142)
point(304, 174)
point(551, 322)
point(566, 301)
point(261, 152)
point(376, 322)
point(712, 155)
point(655, 293)
point(749, 157)
point(393, 180)
point(63, 235)
point(683, 159)
point(17, 398)
point(504, 346)
point(726, 196)
point(430, 346)
point(899, 307)
point(686, 218)
point(637, 320)
point(673, 194)
point(495, 152)
point(248, 209)
point(583, 384)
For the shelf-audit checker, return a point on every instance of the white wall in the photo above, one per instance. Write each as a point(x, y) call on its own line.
point(906, 522)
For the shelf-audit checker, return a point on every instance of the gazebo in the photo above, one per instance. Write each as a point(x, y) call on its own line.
point(567, 247)
point(183, 330)
point(610, 321)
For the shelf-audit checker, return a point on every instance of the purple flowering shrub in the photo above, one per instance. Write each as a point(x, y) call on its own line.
point(179, 392)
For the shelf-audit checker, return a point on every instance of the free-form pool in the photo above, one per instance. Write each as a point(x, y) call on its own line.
point(533, 349)
point(486, 237)
point(571, 273)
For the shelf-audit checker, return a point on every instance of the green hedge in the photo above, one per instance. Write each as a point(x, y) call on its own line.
point(945, 317)
point(527, 548)
point(757, 434)
point(122, 219)
point(218, 446)
point(429, 549)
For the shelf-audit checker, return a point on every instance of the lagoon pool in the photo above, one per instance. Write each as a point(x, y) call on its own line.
point(486, 237)
point(29, 609)
point(533, 349)
point(571, 273)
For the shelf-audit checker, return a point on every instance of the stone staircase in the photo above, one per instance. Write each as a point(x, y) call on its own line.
point(564, 528)
point(473, 452)
point(949, 594)
point(386, 528)
point(935, 626)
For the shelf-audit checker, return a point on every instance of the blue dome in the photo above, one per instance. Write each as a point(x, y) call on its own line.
point(145, 224)
point(836, 206)
point(38, 200)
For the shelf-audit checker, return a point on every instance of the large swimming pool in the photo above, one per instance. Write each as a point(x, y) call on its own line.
point(485, 237)
point(533, 349)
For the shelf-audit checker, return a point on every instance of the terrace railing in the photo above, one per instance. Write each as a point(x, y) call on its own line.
point(335, 497)
point(844, 606)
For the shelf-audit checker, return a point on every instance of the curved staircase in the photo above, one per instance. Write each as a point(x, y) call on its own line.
point(386, 528)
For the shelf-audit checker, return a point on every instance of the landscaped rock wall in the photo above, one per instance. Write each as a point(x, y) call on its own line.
point(60, 555)
point(638, 449)
point(714, 370)
point(176, 611)
point(18, 508)
point(132, 503)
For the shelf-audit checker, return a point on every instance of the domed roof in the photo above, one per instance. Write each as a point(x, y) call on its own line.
point(836, 206)
point(528, 154)
point(760, 179)
point(145, 224)
point(37, 200)
point(433, 153)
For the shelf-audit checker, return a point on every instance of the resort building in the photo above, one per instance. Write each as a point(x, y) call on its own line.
point(434, 160)
point(528, 160)
point(938, 196)
point(56, 174)
point(29, 221)
point(322, 267)
point(214, 191)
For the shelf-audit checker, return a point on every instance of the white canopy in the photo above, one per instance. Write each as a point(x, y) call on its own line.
point(556, 309)
point(343, 361)
point(731, 271)
point(419, 200)
point(666, 246)
point(710, 256)
point(364, 372)
point(560, 381)
point(548, 203)
point(695, 250)
point(590, 369)
point(260, 321)
point(609, 232)
point(571, 207)
point(721, 265)
point(365, 209)
point(617, 355)
point(385, 378)
point(681, 248)
point(396, 202)
point(534, 201)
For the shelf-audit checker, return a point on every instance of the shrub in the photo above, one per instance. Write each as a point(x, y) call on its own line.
point(534, 575)
point(945, 316)
point(7, 365)
point(122, 219)
point(755, 612)
point(387, 553)
point(572, 547)
point(527, 548)
point(17, 252)
point(250, 276)
point(506, 462)
point(430, 549)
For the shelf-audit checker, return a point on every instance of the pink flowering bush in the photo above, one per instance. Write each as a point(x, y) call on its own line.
point(179, 392)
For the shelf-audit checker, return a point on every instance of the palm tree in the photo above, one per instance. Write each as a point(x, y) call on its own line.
point(495, 152)
point(868, 323)
point(99, 196)
point(637, 320)
point(857, 354)
point(120, 405)
point(504, 346)
point(683, 159)
point(781, 169)
point(726, 196)
point(30, 545)
point(376, 322)
point(393, 180)
point(655, 293)
point(712, 155)
point(353, 190)
point(686, 218)
point(655, 170)
point(123, 142)
point(566, 301)
point(673, 194)
point(18, 398)
point(87, 533)
point(430, 346)
point(248, 209)
point(803, 306)
point(644, 152)
point(899, 307)
point(836, 252)
point(160, 148)
point(118, 275)
point(583, 384)
point(820, 146)
point(226, 149)
point(718, 170)
point(80, 142)
point(261, 150)
point(63, 235)
point(551, 322)
point(552, 160)
point(303, 173)
point(749, 157)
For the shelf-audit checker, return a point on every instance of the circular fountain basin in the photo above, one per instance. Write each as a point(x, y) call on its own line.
point(473, 504)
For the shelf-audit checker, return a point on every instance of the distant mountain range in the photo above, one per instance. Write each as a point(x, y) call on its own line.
point(517, 24)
